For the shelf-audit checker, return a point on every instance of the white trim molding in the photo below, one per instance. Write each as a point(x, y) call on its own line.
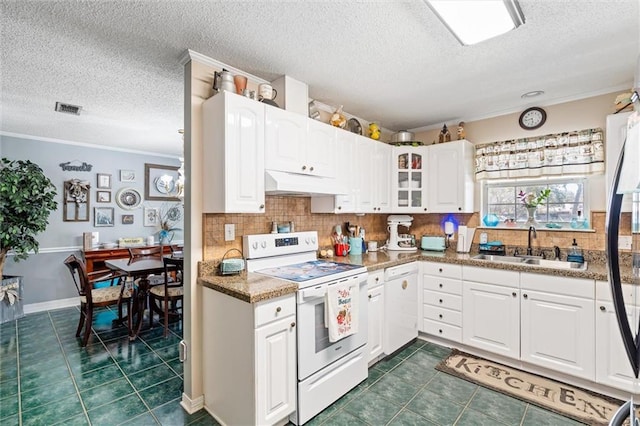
point(192, 405)
point(50, 305)
point(190, 55)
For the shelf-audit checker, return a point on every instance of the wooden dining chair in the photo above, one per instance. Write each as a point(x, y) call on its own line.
point(164, 299)
point(90, 297)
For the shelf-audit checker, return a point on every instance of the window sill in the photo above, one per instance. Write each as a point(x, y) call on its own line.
point(520, 227)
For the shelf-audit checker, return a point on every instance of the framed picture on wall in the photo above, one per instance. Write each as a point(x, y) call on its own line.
point(127, 175)
point(127, 219)
point(160, 182)
point(103, 216)
point(104, 181)
point(103, 196)
point(151, 216)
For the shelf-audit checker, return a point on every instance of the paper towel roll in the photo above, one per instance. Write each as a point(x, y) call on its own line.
point(462, 235)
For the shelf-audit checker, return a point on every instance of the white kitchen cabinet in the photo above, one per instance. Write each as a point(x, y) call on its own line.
point(233, 148)
point(400, 306)
point(347, 168)
point(441, 313)
point(558, 324)
point(491, 310)
point(296, 144)
point(408, 186)
point(373, 177)
point(612, 365)
point(375, 294)
point(249, 366)
point(449, 177)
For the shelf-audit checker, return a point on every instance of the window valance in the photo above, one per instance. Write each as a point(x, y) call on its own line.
point(577, 152)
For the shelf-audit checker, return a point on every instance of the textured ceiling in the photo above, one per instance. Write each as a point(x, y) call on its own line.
point(387, 60)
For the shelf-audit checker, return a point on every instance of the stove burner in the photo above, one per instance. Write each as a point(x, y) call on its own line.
point(306, 271)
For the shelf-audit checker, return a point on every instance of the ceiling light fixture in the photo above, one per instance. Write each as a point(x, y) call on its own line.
point(473, 21)
point(532, 94)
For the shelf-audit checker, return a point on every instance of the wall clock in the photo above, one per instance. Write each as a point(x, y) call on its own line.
point(532, 118)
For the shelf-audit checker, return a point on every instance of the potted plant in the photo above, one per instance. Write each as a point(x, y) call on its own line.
point(26, 200)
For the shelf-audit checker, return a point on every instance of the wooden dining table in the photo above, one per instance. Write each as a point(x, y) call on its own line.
point(138, 269)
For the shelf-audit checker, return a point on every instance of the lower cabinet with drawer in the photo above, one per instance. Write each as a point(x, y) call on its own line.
point(442, 300)
point(491, 310)
point(249, 358)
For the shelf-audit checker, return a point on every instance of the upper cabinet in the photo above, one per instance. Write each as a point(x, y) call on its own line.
point(408, 179)
point(233, 134)
point(373, 177)
point(449, 177)
point(296, 144)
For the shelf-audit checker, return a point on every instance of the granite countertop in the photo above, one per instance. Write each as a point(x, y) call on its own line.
point(253, 288)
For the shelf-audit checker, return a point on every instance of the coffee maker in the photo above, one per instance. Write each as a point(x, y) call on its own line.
point(400, 242)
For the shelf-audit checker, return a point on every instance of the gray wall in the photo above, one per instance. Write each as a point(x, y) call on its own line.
point(45, 277)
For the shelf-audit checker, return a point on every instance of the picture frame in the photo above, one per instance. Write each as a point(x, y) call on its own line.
point(103, 181)
point(127, 219)
point(160, 182)
point(103, 196)
point(103, 216)
point(127, 175)
point(77, 201)
point(151, 216)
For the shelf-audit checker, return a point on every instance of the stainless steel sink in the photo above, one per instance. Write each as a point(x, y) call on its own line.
point(556, 264)
point(532, 261)
point(494, 258)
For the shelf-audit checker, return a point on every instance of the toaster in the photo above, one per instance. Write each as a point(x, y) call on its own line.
point(432, 243)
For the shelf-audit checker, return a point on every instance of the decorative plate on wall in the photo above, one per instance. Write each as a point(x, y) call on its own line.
point(128, 198)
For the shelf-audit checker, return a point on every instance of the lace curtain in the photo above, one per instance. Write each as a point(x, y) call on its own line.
point(578, 152)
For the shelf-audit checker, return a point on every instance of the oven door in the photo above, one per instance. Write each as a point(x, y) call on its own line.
point(315, 351)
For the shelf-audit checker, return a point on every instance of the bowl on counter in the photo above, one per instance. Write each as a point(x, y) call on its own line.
point(109, 245)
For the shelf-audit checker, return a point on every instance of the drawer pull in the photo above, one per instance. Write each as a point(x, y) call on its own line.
point(311, 168)
point(377, 279)
point(293, 324)
point(439, 269)
point(525, 296)
point(440, 331)
point(304, 167)
point(440, 300)
point(514, 294)
point(261, 206)
point(440, 285)
point(369, 296)
point(602, 308)
point(405, 284)
point(440, 316)
point(278, 309)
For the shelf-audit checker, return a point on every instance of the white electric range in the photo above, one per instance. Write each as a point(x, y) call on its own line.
point(326, 370)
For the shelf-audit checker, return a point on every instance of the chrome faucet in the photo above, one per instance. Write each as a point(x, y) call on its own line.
point(529, 250)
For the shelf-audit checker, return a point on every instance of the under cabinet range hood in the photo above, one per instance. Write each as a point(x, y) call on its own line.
point(284, 183)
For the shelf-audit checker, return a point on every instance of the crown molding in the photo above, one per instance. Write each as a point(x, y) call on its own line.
point(190, 55)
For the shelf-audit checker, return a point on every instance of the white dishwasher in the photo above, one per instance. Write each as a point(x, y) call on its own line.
point(401, 306)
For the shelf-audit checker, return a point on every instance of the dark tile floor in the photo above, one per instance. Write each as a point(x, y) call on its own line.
point(46, 378)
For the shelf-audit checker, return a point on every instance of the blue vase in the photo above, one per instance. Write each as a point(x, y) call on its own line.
point(491, 220)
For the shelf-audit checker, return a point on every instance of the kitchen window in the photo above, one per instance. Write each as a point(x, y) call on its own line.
point(567, 202)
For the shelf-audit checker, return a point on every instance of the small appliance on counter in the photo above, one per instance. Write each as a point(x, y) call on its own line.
point(400, 242)
point(430, 243)
point(231, 266)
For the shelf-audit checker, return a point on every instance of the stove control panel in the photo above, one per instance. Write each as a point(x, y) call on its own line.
point(267, 245)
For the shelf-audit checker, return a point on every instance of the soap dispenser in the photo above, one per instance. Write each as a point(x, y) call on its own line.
point(575, 253)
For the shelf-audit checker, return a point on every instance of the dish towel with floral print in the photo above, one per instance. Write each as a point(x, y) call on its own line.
point(341, 309)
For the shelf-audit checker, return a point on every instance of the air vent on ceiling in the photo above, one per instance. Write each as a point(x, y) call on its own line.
point(68, 108)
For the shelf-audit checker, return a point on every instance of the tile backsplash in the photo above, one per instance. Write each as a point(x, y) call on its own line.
point(298, 210)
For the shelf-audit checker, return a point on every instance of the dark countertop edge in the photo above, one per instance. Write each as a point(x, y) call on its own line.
point(595, 271)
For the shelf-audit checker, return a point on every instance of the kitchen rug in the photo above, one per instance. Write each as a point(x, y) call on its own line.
point(579, 404)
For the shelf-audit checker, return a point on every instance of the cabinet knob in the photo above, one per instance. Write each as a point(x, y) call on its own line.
point(440, 285)
point(440, 270)
point(261, 206)
point(602, 308)
point(425, 209)
point(278, 309)
point(440, 300)
point(440, 331)
point(339, 207)
point(440, 316)
point(293, 324)
point(525, 296)
point(311, 168)
point(514, 294)
point(369, 296)
point(405, 284)
point(304, 167)
point(459, 209)
point(377, 279)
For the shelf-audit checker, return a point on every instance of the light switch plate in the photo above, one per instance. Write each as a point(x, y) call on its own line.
point(624, 242)
point(483, 238)
point(229, 231)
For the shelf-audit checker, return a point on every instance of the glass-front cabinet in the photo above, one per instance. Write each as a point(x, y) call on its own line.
point(409, 183)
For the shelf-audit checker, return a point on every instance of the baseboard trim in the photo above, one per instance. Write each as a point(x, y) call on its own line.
point(50, 305)
point(192, 405)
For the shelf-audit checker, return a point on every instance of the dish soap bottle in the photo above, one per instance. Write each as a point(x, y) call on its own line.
point(575, 253)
